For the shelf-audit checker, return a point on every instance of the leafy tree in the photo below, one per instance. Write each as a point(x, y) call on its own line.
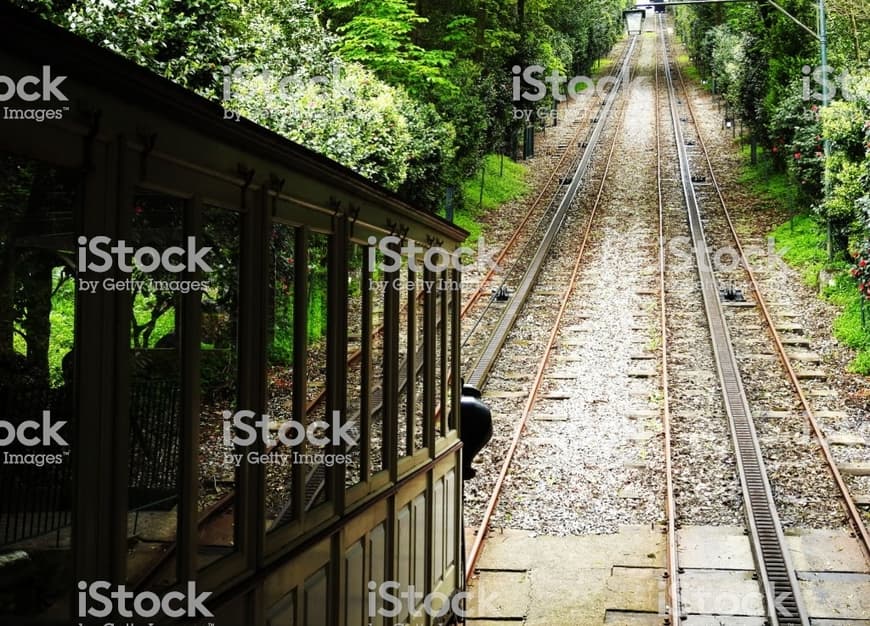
point(378, 34)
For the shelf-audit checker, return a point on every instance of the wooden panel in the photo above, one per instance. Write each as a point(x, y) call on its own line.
point(450, 534)
point(438, 525)
point(418, 570)
point(403, 547)
point(355, 588)
point(316, 598)
point(377, 563)
point(284, 613)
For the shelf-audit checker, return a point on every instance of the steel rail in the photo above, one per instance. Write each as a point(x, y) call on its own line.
point(772, 558)
point(315, 479)
point(854, 515)
point(311, 488)
point(477, 545)
point(554, 201)
point(484, 282)
point(672, 567)
point(511, 312)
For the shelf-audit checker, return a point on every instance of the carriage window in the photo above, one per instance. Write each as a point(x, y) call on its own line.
point(300, 482)
point(407, 363)
point(377, 286)
point(154, 400)
point(452, 302)
point(37, 344)
point(421, 292)
point(314, 470)
point(358, 375)
point(440, 298)
point(219, 394)
point(284, 389)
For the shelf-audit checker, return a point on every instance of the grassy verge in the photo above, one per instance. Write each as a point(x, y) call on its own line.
point(802, 244)
point(769, 184)
point(688, 68)
point(500, 186)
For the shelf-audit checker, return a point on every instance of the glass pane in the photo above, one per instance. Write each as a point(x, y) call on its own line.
point(452, 302)
point(356, 285)
point(281, 391)
point(315, 472)
point(219, 397)
point(37, 345)
point(154, 396)
point(293, 432)
point(420, 291)
point(378, 278)
point(441, 422)
point(405, 426)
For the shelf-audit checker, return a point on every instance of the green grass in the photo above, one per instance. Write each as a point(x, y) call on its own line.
point(849, 328)
point(766, 182)
point(499, 188)
point(604, 64)
point(689, 70)
point(802, 244)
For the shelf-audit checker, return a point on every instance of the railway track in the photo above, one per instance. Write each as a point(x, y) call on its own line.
point(509, 316)
point(773, 561)
point(510, 255)
point(678, 179)
point(521, 240)
point(776, 571)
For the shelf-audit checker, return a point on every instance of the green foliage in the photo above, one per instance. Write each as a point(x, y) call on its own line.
point(178, 39)
point(422, 92)
point(379, 36)
point(802, 244)
point(861, 269)
point(850, 328)
point(504, 180)
point(769, 183)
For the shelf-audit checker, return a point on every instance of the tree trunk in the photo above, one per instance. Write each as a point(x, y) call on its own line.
point(521, 18)
point(7, 292)
point(37, 323)
point(753, 149)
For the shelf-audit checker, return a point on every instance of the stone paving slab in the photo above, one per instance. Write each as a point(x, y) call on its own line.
point(825, 551)
point(723, 620)
point(721, 592)
point(500, 595)
point(714, 547)
point(572, 581)
point(836, 596)
point(637, 546)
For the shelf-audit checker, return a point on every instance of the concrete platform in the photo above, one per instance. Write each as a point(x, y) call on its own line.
point(714, 547)
point(834, 596)
point(617, 579)
point(569, 581)
point(825, 551)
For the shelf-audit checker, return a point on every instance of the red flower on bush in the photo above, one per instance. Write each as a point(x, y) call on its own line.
point(861, 270)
